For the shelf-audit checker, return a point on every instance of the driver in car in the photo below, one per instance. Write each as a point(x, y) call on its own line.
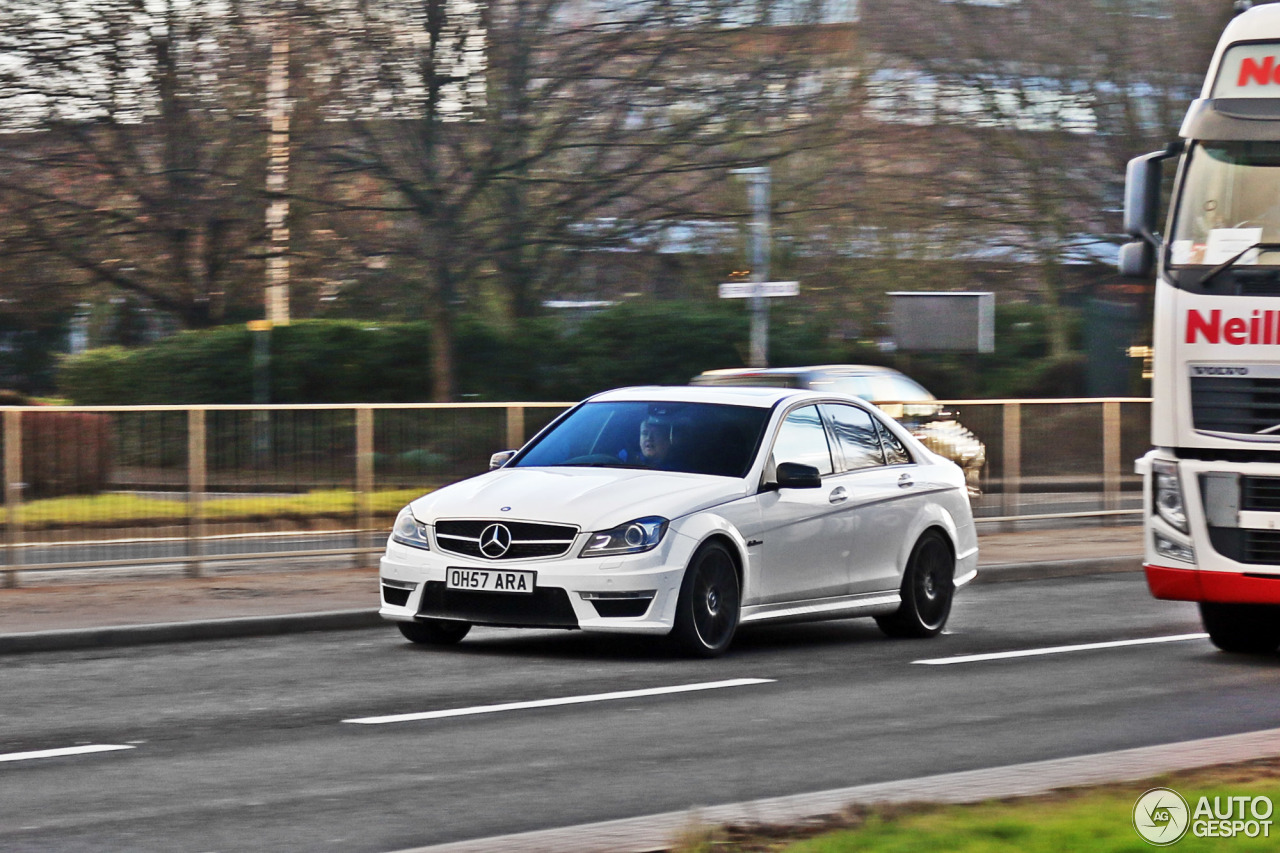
point(655, 441)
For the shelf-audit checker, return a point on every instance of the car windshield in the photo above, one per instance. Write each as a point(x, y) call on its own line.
point(1230, 201)
point(694, 438)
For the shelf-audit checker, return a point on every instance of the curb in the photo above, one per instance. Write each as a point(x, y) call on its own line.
point(173, 632)
point(345, 620)
point(1000, 572)
point(657, 832)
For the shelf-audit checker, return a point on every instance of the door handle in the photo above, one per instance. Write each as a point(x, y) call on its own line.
point(838, 495)
point(904, 482)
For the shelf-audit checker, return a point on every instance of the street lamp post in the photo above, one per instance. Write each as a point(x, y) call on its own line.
point(758, 181)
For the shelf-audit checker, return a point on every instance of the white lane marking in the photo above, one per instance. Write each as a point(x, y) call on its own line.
point(66, 750)
point(1057, 650)
point(567, 700)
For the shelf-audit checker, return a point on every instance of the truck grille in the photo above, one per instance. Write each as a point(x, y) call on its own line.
point(1242, 404)
point(527, 540)
point(1260, 493)
point(1253, 547)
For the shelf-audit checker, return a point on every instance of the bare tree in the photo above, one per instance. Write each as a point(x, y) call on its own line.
point(1034, 107)
point(133, 148)
point(503, 139)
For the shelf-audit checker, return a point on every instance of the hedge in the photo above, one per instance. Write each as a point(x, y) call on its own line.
point(340, 361)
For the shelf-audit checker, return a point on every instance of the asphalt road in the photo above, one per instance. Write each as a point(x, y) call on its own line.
point(248, 745)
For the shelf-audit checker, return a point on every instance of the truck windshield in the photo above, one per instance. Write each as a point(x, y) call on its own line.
point(1230, 201)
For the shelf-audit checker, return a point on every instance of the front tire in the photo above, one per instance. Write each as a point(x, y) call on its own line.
point(434, 632)
point(928, 586)
point(1242, 628)
point(709, 605)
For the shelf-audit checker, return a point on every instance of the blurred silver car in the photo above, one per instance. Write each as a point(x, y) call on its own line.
point(894, 393)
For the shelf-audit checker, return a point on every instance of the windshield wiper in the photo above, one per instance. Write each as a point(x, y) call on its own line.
point(1231, 261)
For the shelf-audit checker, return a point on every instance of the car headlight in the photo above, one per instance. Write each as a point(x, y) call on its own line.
point(409, 531)
point(1168, 494)
point(634, 537)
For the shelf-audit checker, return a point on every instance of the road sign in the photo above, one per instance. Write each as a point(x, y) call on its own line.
point(747, 289)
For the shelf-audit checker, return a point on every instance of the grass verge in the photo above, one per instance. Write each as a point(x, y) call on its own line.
point(119, 509)
point(1096, 819)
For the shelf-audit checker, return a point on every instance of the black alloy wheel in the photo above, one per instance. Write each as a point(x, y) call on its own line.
point(1242, 628)
point(709, 607)
point(928, 586)
point(434, 632)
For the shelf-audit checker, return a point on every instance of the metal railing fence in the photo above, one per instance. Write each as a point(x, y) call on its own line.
point(110, 487)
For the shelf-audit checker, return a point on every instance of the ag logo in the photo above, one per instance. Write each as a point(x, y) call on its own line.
point(1161, 816)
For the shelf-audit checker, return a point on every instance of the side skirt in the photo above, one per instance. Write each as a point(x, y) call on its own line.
point(838, 607)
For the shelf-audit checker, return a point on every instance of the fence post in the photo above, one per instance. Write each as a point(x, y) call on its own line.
point(13, 493)
point(364, 480)
point(515, 427)
point(1111, 455)
point(1011, 477)
point(197, 481)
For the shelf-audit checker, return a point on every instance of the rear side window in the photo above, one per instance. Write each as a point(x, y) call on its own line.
point(854, 386)
point(855, 435)
point(895, 452)
point(898, 389)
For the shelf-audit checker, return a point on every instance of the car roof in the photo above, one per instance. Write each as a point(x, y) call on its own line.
point(734, 395)
point(843, 369)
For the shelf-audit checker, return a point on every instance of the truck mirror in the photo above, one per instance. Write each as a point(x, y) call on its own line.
point(1136, 259)
point(1142, 179)
point(1142, 195)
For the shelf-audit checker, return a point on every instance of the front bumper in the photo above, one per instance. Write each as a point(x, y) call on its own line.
point(635, 593)
point(1224, 587)
point(1225, 551)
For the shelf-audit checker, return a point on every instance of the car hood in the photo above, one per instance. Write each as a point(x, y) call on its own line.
point(591, 498)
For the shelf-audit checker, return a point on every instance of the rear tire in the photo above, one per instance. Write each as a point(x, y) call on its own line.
point(1242, 628)
point(434, 632)
point(928, 585)
point(709, 605)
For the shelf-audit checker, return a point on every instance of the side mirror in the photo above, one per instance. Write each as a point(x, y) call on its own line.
point(501, 458)
point(1142, 195)
point(1136, 259)
point(1142, 180)
point(793, 475)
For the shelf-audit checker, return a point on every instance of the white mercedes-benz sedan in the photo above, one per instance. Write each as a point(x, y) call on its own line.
point(688, 511)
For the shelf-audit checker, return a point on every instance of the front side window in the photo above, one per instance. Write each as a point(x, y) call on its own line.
point(803, 439)
point(856, 436)
point(1230, 200)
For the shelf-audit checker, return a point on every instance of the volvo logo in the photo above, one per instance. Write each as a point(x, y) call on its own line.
point(495, 540)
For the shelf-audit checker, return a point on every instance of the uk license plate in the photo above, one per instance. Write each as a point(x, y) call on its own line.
point(490, 580)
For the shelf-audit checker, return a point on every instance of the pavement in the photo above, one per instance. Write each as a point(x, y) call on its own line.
point(95, 608)
point(655, 833)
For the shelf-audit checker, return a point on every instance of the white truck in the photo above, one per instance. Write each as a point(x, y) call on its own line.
point(1212, 482)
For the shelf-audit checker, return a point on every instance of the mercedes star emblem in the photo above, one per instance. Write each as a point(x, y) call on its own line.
point(495, 540)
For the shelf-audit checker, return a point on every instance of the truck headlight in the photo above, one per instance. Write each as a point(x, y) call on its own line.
point(1173, 549)
point(409, 531)
point(1168, 494)
point(634, 537)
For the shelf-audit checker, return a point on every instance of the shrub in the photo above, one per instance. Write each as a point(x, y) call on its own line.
point(65, 453)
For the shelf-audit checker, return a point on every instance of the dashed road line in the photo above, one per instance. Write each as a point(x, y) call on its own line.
point(566, 700)
point(66, 750)
point(1057, 650)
